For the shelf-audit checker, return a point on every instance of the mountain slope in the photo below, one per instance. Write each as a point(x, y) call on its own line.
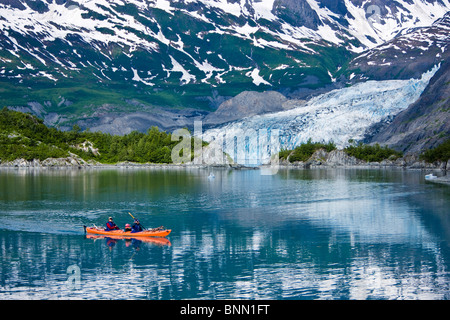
point(68, 58)
point(71, 57)
point(408, 55)
point(25, 137)
point(426, 123)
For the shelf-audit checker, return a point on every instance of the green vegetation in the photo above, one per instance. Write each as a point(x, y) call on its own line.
point(305, 151)
point(370, 153)
point(440, 153)
point(25, 136)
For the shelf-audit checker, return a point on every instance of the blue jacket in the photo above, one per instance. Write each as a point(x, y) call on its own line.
point(136, 228)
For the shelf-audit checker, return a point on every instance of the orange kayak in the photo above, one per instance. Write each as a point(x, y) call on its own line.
point(146, 233)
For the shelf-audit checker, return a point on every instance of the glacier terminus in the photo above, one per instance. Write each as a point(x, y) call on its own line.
point(336, 116)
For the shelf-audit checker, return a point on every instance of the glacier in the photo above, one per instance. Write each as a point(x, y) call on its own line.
point(336, 116)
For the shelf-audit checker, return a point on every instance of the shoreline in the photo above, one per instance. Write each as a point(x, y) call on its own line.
point(80, 164)
point(340, 159)
point(320, 159)
point(70, 164)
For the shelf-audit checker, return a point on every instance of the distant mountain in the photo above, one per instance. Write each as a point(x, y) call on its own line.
point(72, 60)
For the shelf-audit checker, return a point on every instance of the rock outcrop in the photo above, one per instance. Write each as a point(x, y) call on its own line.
point(248, 103)
point(71, 161)
point(339, 158)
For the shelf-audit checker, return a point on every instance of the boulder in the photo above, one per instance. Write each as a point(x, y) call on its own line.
point(341, 158)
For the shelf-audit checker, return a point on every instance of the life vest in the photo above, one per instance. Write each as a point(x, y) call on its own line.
point(111, 226)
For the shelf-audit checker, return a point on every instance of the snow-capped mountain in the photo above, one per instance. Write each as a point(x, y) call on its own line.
point(408, 55)
point(93, 61)
point(159, 45)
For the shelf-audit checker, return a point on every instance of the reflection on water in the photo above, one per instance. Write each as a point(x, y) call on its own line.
point(130, 241)
point(301, 234)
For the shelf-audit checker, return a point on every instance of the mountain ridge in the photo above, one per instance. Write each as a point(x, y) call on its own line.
point(121, 65)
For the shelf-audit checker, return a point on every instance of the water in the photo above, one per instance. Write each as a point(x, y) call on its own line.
point(299, 234)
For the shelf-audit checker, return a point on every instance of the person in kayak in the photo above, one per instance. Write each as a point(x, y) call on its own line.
point(110, 225)
point(127, 227)
point(136, 226)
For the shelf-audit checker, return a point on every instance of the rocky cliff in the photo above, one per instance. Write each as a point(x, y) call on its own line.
point(424, 124)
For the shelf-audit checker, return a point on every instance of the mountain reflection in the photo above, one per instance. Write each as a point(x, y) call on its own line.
point(301, 234)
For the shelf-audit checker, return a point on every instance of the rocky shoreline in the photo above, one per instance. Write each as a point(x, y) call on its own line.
point(320, 159)
point(74, 162)
point(338, 158)
point(71, 161)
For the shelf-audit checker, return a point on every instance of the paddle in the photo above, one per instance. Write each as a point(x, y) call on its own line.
point(139, 221)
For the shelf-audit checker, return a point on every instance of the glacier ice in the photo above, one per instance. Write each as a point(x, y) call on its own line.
point(337, 116)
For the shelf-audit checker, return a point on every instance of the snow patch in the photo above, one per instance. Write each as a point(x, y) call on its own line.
point(257, 79)
point(136, 77)
point(263, 9)
point(331, 76)
point(186, 77)
point(45, 74)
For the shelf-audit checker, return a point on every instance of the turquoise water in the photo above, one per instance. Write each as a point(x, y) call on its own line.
point(299, 234)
